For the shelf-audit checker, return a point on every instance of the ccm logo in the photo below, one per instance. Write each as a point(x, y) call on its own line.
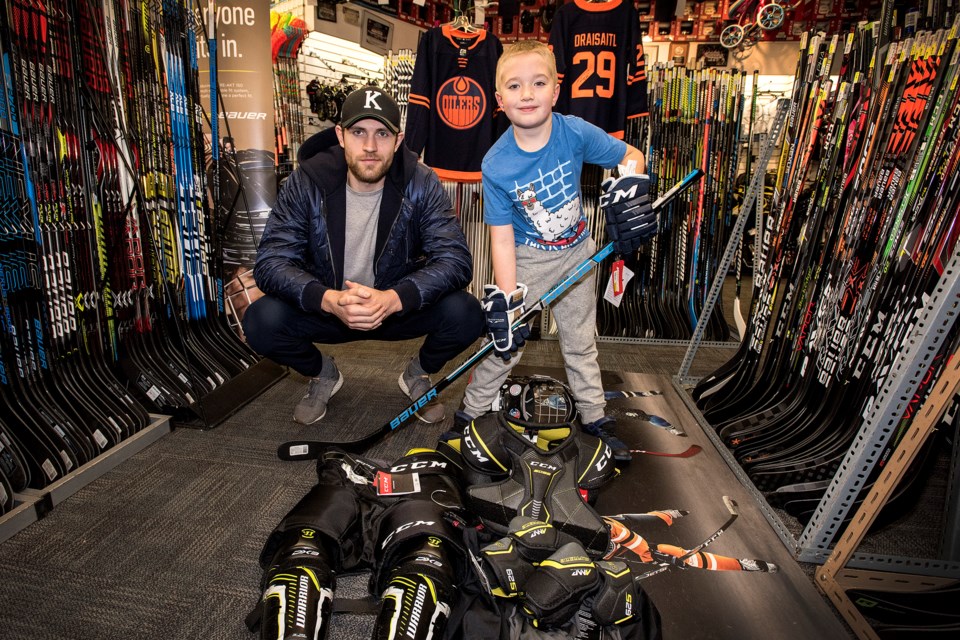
point(412, 409)
point(423, 464)
point(618, 195)
point(542, 465)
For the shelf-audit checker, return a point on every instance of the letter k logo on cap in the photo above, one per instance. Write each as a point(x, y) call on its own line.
point(371, 102)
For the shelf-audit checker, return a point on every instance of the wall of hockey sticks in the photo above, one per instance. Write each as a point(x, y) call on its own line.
point(112, 304)
point(854, 300)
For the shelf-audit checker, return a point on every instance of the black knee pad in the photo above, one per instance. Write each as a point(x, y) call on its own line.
point(417, 599)
point(298, 588)
point(405, 526)
point(334, 513)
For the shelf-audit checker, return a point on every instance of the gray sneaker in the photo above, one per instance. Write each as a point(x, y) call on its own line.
point(415, 385)
point(313, 405)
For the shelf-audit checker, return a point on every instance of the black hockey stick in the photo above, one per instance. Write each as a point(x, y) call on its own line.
point(308, 450)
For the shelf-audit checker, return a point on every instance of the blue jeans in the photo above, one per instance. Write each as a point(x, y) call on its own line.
point(286, 334)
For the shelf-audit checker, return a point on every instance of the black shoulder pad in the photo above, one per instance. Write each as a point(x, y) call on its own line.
point(482, 447)
point(595, 463)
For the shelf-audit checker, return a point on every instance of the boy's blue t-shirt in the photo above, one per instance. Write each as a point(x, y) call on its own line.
point(539, 192)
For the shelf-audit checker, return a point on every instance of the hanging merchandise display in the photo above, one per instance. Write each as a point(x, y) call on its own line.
point(600, 63)
point(451, 112)
point(861, 228)
point(286, 35)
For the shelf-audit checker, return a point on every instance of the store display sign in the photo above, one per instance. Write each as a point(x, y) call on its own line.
point(245, 109)
point(376, 34)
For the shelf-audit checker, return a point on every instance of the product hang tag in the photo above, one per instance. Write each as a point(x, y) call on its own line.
point(616, 277)
point(395, 484)
point(609, 295)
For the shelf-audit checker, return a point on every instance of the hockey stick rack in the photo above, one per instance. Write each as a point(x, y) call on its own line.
point(228, 398)
point(834, 578)
point(751, 197)
point(879, 426)
point(813, 544)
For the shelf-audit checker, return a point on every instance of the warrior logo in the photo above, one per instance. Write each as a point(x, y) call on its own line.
point(461, 103)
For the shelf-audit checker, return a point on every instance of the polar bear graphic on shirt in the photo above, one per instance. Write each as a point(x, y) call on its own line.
point(551, 225)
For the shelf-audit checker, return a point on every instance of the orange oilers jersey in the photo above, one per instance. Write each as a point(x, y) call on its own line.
point(451, 115)
point(600, 63)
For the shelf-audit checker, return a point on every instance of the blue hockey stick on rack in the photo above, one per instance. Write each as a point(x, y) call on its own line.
point(311, 449)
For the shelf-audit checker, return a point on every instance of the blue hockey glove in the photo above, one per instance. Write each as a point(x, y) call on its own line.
point(630, 220)
point(500, 310)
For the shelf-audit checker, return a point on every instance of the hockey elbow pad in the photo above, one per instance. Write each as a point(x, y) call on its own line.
point(535, 539)
point(417, 600)
point(298, 591)
point(504, 572)
point(615, 601)
point(559, 584)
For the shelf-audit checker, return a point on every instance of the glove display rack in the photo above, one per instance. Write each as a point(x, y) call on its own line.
point(112, 272)
point(854, 307)
point(330, 68)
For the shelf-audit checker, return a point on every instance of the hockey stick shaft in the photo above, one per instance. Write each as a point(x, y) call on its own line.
point(290, 452)
point(690, 451)
point(734, 514)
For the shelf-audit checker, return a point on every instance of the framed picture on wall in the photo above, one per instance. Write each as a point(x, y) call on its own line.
point(376, 34)
point(712, 55)
point(678, 53)
point(351, 16)
point(327, 11)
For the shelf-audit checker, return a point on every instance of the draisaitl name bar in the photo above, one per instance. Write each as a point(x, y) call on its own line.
point(595, 40)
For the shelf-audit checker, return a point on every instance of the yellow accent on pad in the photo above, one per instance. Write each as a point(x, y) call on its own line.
point(417, 450)
point(621, 573)
point(431, 586)
point(483, 445)
point(497, 553)
point(584, 563)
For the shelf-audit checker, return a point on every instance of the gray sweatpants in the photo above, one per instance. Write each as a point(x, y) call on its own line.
point(575, 313)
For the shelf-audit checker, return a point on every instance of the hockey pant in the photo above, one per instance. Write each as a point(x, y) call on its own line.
point(413, 550)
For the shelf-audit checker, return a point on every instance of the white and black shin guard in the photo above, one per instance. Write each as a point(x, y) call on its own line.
point(417, 600)
point(297, 597)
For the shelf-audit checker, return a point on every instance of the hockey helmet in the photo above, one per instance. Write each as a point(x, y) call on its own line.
point(537, 398)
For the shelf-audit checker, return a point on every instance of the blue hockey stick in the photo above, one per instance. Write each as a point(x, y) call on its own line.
point(311, 449)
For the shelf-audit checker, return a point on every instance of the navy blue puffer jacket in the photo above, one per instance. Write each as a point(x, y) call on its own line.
point(421, 252)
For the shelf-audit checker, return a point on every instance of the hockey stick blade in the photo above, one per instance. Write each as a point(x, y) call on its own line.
point(552, 294)
point(691, 451)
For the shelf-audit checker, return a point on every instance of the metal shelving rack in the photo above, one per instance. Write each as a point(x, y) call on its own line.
point(814, 543)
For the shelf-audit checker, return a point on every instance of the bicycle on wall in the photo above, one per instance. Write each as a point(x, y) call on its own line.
point(754, 17)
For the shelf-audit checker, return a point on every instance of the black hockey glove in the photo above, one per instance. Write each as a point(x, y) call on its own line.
point(630, 219)
point(500, 310)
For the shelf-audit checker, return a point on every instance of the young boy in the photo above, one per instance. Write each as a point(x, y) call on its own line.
point(531, 187)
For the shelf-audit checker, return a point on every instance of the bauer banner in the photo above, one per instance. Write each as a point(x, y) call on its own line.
point(237, 33)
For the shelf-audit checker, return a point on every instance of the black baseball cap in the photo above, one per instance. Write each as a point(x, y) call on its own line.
point(370, 102)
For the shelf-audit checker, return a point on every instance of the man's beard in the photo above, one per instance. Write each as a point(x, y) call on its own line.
point(369, 173)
